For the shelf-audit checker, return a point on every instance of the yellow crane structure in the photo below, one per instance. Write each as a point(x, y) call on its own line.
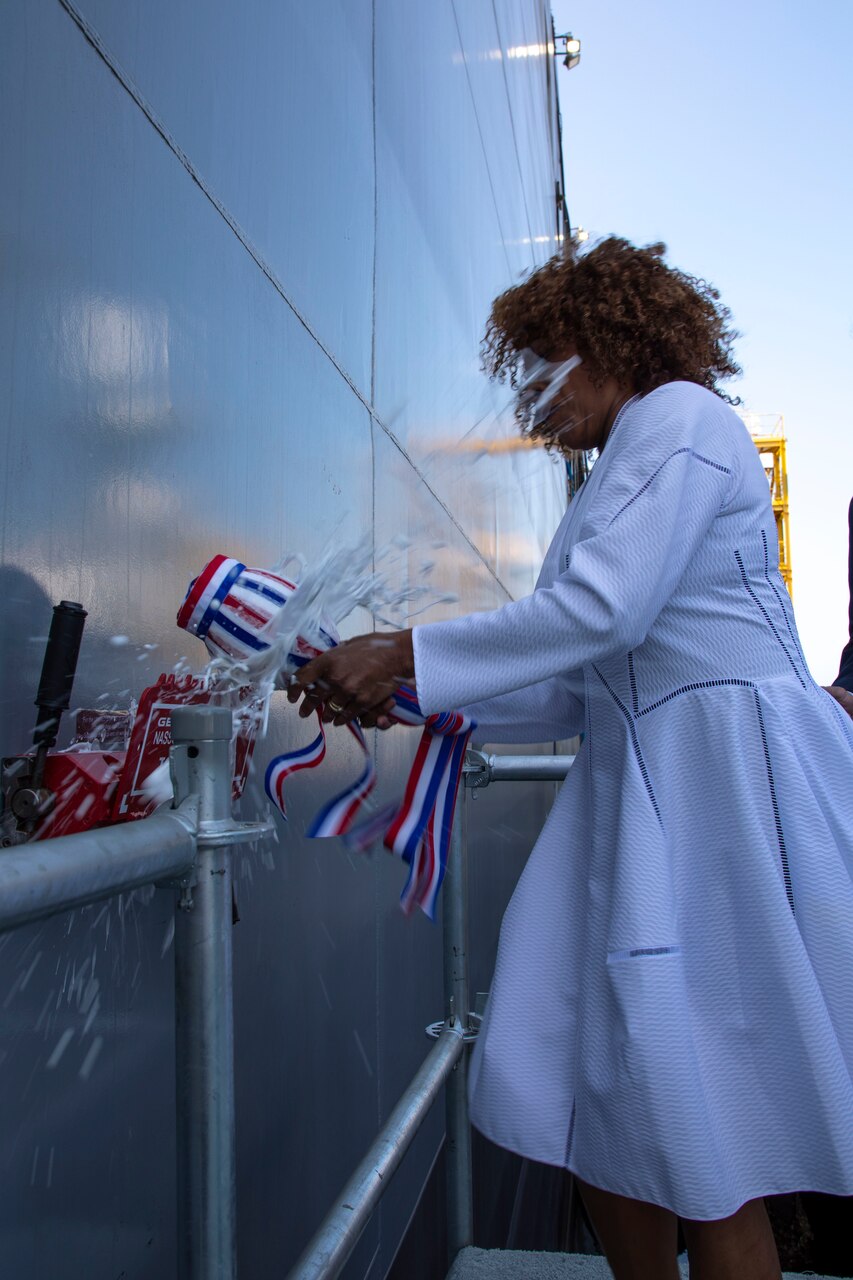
point(768, 434)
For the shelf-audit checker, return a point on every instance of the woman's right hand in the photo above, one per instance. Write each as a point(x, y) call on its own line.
point(355, 680)
point(842, 696)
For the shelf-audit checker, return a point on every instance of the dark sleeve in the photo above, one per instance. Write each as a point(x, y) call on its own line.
point(845, 672)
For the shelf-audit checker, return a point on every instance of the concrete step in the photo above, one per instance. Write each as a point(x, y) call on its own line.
point(515, 1264)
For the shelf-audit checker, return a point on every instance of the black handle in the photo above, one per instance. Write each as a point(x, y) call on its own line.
point(58, 668)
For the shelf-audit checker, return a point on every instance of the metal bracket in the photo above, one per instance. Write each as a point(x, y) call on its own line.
point(209, 835)
point(434, 1029)
point(215, 834)
point(476, 771)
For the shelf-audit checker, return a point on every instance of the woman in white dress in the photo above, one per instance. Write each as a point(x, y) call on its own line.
point(670, 1016)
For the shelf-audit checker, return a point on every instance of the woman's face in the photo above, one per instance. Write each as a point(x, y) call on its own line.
point(564, 405)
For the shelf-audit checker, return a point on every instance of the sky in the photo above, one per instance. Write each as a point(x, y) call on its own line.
point(726, 130)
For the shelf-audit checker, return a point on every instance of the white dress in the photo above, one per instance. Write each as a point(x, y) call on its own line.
point(671, 1015)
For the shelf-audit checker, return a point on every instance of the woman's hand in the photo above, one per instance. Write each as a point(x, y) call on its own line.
point(841, 696)
point(357, 678)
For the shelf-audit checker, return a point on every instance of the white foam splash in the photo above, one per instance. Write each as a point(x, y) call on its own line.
point(341, 579)
point(157, 787)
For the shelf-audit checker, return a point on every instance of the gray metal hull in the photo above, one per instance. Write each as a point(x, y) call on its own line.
point(247, 255)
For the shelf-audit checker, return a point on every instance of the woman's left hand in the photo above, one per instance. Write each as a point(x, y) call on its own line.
point(356, 679)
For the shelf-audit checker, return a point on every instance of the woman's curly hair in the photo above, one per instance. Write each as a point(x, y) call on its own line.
point(630, 316)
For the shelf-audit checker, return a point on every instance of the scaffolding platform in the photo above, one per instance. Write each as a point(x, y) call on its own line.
point(517, 1264)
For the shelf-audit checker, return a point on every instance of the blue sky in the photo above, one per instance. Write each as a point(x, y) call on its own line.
point(725, 131)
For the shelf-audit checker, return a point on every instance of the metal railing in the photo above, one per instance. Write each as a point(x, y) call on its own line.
point(186, 847)
point(446, 1064)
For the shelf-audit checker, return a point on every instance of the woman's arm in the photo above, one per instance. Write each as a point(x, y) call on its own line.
point(659, 495)
point(668, 473)
point(546, 712)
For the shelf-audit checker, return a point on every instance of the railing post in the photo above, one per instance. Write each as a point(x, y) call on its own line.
point(460, 1210)
point(204, 1024)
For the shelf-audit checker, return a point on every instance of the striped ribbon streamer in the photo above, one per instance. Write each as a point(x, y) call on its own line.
point(230, 607)
point(419, 830)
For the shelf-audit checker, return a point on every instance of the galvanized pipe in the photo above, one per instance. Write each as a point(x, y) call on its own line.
point(325, 1256)
point(517, 768)
point(327, 1253)
point(457, 1149)
point(204, 1021)
point(46, 876)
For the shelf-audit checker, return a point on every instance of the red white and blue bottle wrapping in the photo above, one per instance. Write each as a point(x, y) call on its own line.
point(233, 608)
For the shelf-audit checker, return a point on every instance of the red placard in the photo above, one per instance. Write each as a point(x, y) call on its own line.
point(151, 739)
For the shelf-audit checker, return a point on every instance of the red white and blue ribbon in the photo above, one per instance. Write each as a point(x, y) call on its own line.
point(232, 609)
point(281, 768)
point(338, 816)
point(420, 832)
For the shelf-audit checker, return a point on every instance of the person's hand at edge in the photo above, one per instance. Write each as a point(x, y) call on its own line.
point(842, 696)
point(356, 679)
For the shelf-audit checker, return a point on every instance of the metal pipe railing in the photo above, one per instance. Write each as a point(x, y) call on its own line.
point(457, 1003)
point(39, 879)
point(326, 1254)
point(341, 1229)
point(481, 769)
point(204, 1007)
point(188, 848)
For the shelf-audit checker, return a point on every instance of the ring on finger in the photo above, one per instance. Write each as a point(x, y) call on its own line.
point(334, 706)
